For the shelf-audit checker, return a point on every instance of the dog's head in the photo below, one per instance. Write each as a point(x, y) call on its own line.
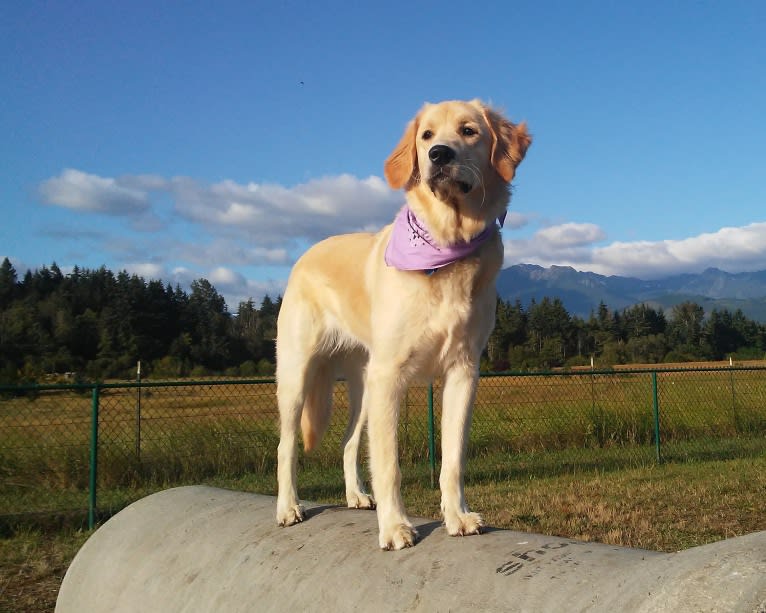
point(456, 161)
point(457, 150)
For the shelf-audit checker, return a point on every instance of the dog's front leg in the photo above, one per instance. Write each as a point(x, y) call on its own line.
point(382, 397)
point(459, 392)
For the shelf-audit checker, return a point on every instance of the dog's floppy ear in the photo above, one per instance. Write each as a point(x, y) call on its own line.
point(402, 165)
point(509, 143)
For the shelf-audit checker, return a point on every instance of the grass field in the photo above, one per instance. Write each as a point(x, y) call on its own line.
point(572, 454)
point(197, 431)
point(662, 507)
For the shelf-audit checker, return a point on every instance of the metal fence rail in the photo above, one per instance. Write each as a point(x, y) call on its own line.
point(77, 440)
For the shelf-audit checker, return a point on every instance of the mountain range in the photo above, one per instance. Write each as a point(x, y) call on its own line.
point(581, 292)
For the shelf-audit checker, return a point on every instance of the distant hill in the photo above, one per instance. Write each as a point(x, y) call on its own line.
point(581, 292)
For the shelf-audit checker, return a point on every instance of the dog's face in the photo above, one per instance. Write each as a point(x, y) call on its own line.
point(454, 148)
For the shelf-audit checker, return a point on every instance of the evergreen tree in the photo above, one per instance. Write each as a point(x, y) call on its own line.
point(210, 322)
point(685, 331)
point(7, 283)
point(550, 331)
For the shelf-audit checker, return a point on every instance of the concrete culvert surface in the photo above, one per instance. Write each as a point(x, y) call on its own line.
point(212, 550)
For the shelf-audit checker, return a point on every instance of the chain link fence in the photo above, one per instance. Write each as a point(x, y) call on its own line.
point(61, 444)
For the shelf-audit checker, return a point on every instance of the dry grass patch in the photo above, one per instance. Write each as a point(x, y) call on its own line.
point(664, 508)
point(32, 565)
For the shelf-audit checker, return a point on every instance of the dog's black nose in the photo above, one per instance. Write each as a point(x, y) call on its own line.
point(441, 154)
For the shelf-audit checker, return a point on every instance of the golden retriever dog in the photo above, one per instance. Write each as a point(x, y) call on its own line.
point(416, 299)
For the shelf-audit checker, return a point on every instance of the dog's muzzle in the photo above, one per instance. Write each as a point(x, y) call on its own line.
point(443, 173)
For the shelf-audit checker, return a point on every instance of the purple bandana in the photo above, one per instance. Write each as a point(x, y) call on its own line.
point(412, 248)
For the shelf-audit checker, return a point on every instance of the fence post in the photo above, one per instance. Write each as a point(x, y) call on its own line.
point(656, 407)
point(733, 396)
point(431, 437)
point(592, 387)
point(138, 411)
point(93, 458)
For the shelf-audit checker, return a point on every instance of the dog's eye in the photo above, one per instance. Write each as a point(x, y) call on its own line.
point(467, 131)
point(427, 135)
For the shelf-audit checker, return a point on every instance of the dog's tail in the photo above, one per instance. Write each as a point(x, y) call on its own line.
point(318, 405)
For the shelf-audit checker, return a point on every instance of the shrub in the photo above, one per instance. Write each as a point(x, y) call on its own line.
point(248, 369)
point(749, 353)
point(266, 368)
point(169, 367)
point(198, 372)
point(578, 360)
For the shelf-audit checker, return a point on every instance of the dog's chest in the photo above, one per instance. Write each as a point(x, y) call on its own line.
point(460, 311)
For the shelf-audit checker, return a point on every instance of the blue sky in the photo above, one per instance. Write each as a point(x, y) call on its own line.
point(219, 140)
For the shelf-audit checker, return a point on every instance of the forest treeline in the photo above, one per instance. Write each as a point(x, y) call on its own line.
point(99, 325)
point(544, 335)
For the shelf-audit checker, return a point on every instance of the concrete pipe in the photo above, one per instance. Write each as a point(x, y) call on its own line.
point(213, 550)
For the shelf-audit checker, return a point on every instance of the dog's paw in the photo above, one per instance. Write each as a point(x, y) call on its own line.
point(398, 537)
point(463, 524)
point(290, 514)
point(359, 500)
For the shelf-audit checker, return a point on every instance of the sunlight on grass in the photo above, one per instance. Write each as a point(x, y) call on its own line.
point(568, 455)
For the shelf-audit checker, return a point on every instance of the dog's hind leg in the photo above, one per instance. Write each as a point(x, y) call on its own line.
point(290, 396)
point(356, 497)
point(296, 367)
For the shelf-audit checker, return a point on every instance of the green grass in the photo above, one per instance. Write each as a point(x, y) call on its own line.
point(195, 432)
point(571, 455)
point(662, 507)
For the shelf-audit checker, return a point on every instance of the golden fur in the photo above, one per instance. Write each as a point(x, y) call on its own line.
point(346, 313)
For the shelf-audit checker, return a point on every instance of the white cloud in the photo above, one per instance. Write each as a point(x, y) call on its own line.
point(230, 283)
point(222, 276)
point(572, 244)
point(234, 251)
point(236, 288)
point(571, 235)
point(246, 224)
point(560, 244)
point(258, 289)
point(273, 215)
point(143, 183)
point(730, 249)
point(147, 270)
point(81, 191)
point(515, 220)
point(219, 228)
